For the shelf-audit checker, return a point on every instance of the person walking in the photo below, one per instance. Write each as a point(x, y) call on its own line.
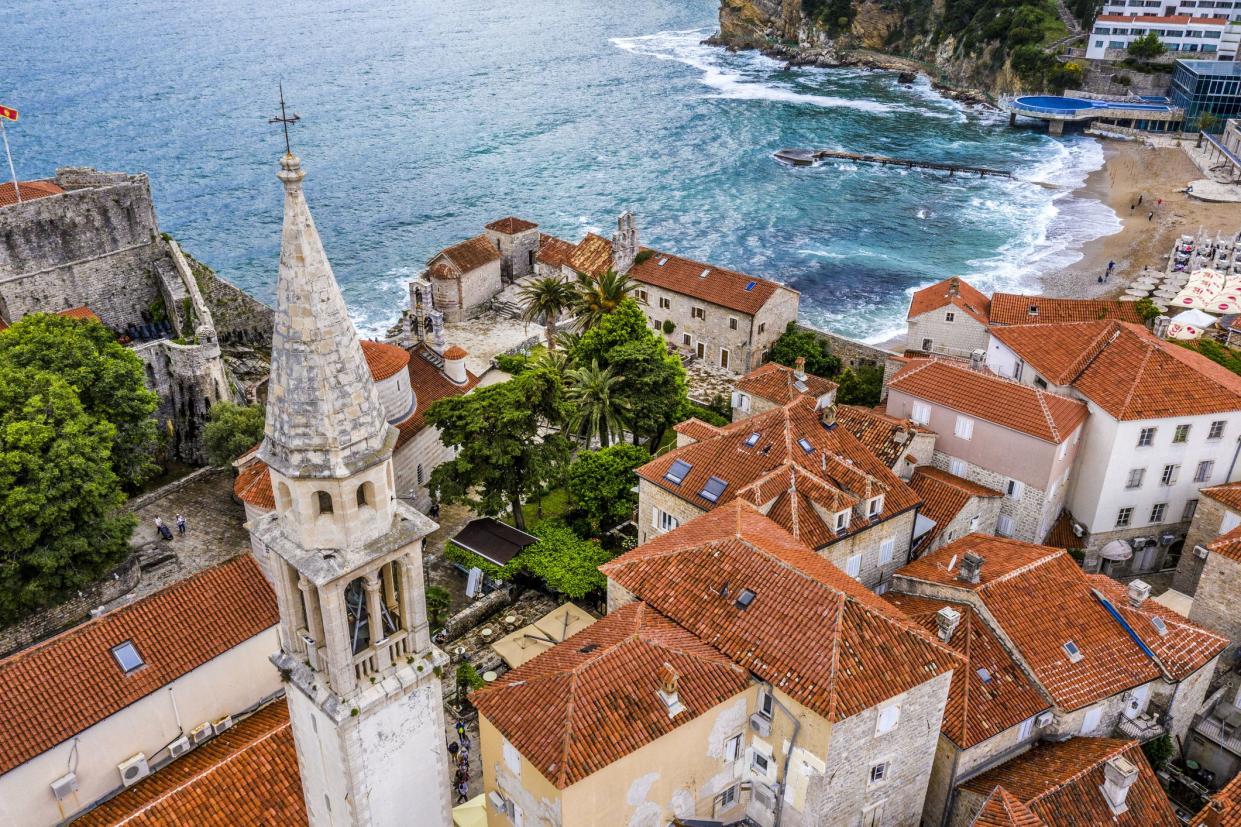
point(463, 792)
point(1140, 197)
point(1149, 217)
point(181, 524)
point(461, 736)
point(164, 531)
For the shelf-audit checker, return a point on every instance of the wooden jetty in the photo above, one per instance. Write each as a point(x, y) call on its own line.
point(807, 157)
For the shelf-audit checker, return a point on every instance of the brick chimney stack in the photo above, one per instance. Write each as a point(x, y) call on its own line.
point(947, 620)
point(954, 286)
point(971, 568)
point(799, 367)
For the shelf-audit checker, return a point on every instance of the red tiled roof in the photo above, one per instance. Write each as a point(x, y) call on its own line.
point(511, 225)
point(810, 630)
point(82, 312)
point(696, 429)
point(455, 352)
point(1229, 494)
point(1124, 369)
point(461, 258)
point(30, 190)
point(591, 700)
point(592, 256)
point(719, 286)
point(1061, 534)
point(253, 486)
point(1176, 18)
point(1003, 809)
point(1060, 783)
point(977, 709)
point(1224, 808)
point(1014, 309)
point(943, 496)
point(938, 295)
point(245, 777)
point(1020, 586)
point(430, 385)
point(887, 437)
point(1047, 416)
point(62, 686)
point(778, 474)
point(554, 251)
point(1228, 544)
point(777, 383)
point(383, 359)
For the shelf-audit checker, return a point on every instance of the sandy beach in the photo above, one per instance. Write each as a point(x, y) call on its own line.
point(1132, 170)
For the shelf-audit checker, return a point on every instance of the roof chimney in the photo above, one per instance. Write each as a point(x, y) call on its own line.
point(954, 286)
point(828, 417)
point(454, 364)
point(1213, 813)
point(971, 568)
point(1139, 590)
point(799, 367)
point(1119, 773)
point(947, 620)
point(668, 682)
point(1160, 327)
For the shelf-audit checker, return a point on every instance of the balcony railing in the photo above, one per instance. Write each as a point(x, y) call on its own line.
point(1142, 728)
point(374, 659)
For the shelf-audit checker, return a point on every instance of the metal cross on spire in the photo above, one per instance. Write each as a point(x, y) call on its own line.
point(285, 119)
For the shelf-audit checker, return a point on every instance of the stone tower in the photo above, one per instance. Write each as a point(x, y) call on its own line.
point(346, 561)
point(624, 243)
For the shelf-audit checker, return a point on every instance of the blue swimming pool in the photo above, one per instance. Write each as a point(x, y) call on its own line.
point(1057, 105)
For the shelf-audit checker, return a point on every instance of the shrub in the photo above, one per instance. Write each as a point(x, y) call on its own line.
point(669, 326)
point(1146, 47)
point(795, 342)
point(231, 430)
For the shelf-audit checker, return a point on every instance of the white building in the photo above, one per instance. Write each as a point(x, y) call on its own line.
point(1163, 422)
point(1181, 34)
point(1226, 9)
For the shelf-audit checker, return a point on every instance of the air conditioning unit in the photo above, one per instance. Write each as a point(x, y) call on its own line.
point(496, 800)
point(1167, 539)
point(201, 733)
point(134, 770)
point(1201, 552)
point(761, 724)
point(222, 724)
point(65, 786)
point(1044, 719)
point(1138, 543)
point(180, 747)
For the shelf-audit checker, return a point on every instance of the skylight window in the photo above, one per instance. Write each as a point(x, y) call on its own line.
point(745, 599)
point(663, 261)
point(713, 489)
point(1070, 649)
point(751, 286)
point(127, 656)
point(984, 675)
point(801, 386)
point(752, 440)
point(1160, 626)
point(704, 273)
point(677, 473)
point(805, 445)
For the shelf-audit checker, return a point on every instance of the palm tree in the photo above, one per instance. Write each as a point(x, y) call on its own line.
point(543, 301)
point(597, 297)
point(597, 410)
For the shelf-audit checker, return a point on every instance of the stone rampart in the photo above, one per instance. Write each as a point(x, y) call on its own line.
point(73, 611)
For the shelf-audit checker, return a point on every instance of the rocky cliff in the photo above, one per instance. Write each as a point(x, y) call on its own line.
point(966, 46)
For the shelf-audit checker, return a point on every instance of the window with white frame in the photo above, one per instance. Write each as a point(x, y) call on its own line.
point(1205, 469)
point(665, 304)
point(853, 566)
point(698, 313)
point(759, 762)
point(1135, 478)
point(1181, 434)
point(765, 702)
point(842, 520)
point(1123, 516)
point(732, 748)
point(1168, 477)
point(728, 798)
point(1217, 430)
point(662, 520)
point(950, 316)
point(964, 427)
point(1027, 729)
point(1004, 526)
point(1187, 513)
point(879, 772)
point(886, 550)
point(921, 413)
point(642, 297)
point(956, 467)
point(887, 719)
point(1146, 437)
point(874, 506)
point(1014, 489)
point(1158, 511)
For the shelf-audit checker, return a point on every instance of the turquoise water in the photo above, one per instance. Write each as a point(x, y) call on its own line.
point(422, 121)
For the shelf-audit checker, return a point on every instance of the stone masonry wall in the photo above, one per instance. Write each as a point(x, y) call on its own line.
point(985, 509)
point(96, 244)
point(1205, 527)
point(1217, 602)
point(73, 611)
point(1029, 513)
point(239, 317)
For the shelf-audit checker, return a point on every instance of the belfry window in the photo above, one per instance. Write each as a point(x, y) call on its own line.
point(324, 501)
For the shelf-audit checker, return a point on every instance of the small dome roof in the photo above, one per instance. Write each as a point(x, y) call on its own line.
point(384, 360)
point(456, 352)
point(1116, 550)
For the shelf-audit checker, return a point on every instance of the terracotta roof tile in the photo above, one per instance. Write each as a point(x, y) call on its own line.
point(1228, 544)
point(1125, 370)
point(778, 384)
point(245, 777)
point(696, 429)
point(82, 312)
point(1023, 408)
point(459, 259)
point(554, 251)
point(1061, 534)
point(837, 472)
point(592, 256)
point(720, 286)
point(1021, 581)
point(30, 190)
point(1015, 309)
point(1229, 494)
point(939, 294)
point(1175, 18)
point(1060, 783)
point(943, 496)
point(592, 699)
point(1224, 808)
point(455, 352)
point(430, 385)
point(384, 360)
point(1003, 809)
point(511, 225)
point(977, 709)
point(175, 630)
point(810, 629)
point(887, 437)
point(253, 486)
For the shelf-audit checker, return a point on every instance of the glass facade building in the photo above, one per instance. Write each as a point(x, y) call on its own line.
point(1207, 86)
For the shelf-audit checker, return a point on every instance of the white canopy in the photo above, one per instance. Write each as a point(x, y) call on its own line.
point(1116, 550)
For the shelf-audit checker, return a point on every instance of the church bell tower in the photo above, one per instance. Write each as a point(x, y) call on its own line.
point(346, 560)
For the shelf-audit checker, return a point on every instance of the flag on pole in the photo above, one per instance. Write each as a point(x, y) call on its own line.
point(7, 113)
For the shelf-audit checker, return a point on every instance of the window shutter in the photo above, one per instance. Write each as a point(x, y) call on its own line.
point(885, 550)
point(736, 399)
point(654, 518)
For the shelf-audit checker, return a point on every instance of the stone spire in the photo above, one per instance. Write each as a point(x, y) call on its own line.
point(324, 418)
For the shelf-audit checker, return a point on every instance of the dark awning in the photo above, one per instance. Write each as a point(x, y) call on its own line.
point(492, 540)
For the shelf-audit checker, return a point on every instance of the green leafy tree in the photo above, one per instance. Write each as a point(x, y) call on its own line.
point(62, 518)
point(1229, 357)
point(468, 680)
point(503, 454)
point(1158, 751)
point(795, 342)
point(1147, 310)
point(1206, 121)
point(598, 297)
point(107, 377)
point(597, 407)
point(1146, 47)
point(543, 301)
point(691, 410)
point(601, 483)
point(860, 387)
point(438, 600)
point(566, 563)
point(231, 430)
point(1063, 76)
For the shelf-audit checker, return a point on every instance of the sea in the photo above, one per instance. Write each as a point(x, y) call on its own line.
point(420, 121)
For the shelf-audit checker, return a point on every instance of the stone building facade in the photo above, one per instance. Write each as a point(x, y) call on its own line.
point(464, 277)
point(1217, 512)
